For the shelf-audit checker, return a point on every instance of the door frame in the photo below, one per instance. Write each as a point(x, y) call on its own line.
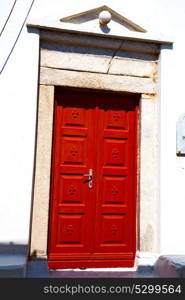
point(40, 220)
point(148, 146)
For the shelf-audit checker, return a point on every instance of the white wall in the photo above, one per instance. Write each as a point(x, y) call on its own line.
point(18, 108)
point(5, 9)
point(18, 88)
point(172, 106)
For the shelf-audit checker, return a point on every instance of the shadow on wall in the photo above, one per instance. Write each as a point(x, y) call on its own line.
point(13, 259)
point(12, 248)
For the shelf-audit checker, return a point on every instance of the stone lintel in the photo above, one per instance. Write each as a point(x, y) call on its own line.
point(96, 60)
point(96, 81)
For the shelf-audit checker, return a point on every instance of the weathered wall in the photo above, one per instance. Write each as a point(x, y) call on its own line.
point(18, 113)
point(18, 92)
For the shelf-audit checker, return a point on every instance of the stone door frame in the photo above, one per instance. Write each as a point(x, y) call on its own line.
point(148, 152)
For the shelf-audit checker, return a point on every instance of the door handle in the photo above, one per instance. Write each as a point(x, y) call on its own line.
point(90, 178)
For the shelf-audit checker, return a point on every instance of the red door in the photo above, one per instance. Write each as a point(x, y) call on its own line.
point(93, 189)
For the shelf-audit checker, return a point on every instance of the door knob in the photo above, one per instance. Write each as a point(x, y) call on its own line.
point(90, 178)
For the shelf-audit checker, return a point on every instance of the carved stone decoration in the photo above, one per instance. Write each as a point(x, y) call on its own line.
point(114, 191)
point(104, 17)
point(69, 229)
point(104, 14)
point(75, 114)
point(115, 153)
point(74, 151)
point(116, 117)
point(114, 229)
point(72, 190)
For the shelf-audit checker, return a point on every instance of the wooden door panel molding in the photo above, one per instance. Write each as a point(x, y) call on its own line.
point(93, 132)
point(116, 120)
point(69, 230)
point(73, 151)
point(74, 117)
point(114, 190)
point(71, 189)
point(115, 152)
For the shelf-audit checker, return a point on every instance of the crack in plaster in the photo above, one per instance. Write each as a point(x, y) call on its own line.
point(112, 57)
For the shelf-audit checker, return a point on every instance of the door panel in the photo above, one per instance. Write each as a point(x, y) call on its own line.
point(93, 226)
point(115, 158)
point(72, 203)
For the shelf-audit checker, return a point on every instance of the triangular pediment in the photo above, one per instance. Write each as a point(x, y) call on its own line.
point(88, 23)
point(90, 20)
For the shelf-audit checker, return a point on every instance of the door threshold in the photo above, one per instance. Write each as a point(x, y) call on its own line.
point(133, 269)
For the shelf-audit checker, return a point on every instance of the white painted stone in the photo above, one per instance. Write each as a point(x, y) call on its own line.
point(149, 174)
point(180, 135)
point(140, 47)
point(66, 78)
point(116, 31)
point(89, 41)
point(104, 17)
point(71, 57)
point(40, 216)
point(76, 58)
point(132, 67)
point(89, 17)
point(146, 261)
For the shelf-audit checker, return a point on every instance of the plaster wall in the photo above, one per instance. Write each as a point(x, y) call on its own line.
point(18, 90)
